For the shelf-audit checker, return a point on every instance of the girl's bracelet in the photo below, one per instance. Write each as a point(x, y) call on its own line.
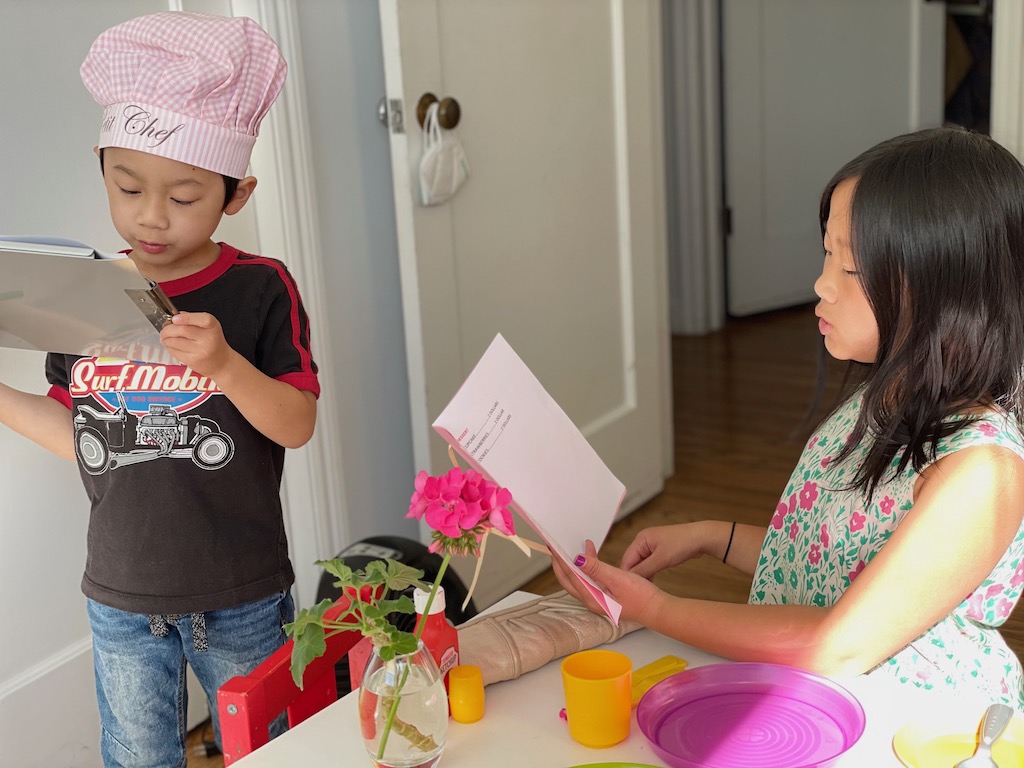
point(729, 545)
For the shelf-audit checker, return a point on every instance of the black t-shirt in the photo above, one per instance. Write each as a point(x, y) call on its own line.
point(185, 493)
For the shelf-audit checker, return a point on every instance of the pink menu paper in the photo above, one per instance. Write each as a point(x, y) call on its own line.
point(506, 426)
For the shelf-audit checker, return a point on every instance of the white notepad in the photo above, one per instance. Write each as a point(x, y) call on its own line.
point(506, 426)
point(63, 296)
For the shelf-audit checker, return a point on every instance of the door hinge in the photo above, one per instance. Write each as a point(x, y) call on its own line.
point(389, 112)
point(727, 221)
point(396, 117)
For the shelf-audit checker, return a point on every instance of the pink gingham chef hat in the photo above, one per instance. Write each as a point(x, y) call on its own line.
point(188, 86)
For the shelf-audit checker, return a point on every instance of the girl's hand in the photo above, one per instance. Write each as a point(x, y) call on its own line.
point(197, 340)
point(655, 549)
point(640, 599)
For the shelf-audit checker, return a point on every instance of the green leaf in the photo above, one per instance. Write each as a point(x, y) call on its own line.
point(405, 644)
point(338, 569)
point(310, 628)
point(309, 643)
point(308, 617)
point(376, 572)
point(403, 604)
point(402, 576)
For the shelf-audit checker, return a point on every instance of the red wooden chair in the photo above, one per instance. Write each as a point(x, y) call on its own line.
point(247, 705)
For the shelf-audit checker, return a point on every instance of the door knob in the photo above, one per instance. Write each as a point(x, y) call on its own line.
point(448, 112)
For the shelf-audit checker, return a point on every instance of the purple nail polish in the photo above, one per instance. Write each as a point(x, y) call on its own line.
point(579, 561)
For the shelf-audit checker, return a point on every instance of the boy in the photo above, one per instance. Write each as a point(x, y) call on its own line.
point(187, 557)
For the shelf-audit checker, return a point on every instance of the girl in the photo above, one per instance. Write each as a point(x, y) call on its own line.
point(897, 547)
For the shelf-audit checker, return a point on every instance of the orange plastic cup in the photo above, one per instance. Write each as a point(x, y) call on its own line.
point(466, 693)
point(597, 687)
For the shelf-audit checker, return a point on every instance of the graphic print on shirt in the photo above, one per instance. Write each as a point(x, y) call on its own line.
point(138, 413)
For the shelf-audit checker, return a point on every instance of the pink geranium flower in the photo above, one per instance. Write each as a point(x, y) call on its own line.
point(856, 571)
point(988, 429)
point(793, 530)
point(824, 535)
point(460, 506)
point(498, 514)
point(825, 462)
point(886, 505)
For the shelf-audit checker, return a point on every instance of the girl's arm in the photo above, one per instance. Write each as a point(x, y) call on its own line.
point(41, 419)
point(968, 508)
point(655, 549)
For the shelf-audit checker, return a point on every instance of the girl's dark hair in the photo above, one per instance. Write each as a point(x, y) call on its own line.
point(938, 240)
point(230, 184)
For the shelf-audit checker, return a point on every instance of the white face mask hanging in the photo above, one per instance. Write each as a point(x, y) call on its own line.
point(443, 167)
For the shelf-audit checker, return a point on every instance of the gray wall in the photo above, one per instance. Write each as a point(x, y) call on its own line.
point(344, 75)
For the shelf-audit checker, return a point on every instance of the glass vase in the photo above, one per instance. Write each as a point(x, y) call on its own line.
point(403, 710)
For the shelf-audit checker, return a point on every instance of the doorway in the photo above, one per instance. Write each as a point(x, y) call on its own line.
point(968, 72)
point(807, 85)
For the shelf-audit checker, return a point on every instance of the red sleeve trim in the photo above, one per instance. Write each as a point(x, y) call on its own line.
point(307, 382)
point(300, 332)
point(61, 395)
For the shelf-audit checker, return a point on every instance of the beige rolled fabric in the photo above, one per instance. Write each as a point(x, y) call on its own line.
point(524, 637)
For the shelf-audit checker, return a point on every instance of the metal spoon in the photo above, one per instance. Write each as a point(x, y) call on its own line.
point(997, 717)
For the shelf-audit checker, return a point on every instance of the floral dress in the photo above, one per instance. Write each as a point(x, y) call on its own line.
point(820, 539)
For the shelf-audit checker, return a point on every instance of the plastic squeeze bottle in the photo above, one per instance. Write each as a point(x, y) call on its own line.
point(439, 634)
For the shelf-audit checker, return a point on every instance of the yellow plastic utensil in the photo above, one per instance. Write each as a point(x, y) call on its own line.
point(649, 674)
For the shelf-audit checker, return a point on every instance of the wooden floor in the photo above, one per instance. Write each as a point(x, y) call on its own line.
point(739, 397)
point(196, 755)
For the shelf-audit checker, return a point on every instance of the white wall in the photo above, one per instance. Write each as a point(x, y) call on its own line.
point(51, 185)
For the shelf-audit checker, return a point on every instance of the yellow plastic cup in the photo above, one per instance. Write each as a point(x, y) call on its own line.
point(466, 693)
point(597, 696)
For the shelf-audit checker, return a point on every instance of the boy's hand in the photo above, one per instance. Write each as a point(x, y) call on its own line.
point(275, 408)
point(197, 340)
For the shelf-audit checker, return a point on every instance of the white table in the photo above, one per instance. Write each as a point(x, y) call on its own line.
point(521, 726)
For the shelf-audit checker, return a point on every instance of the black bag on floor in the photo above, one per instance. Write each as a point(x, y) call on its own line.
point(413, 554)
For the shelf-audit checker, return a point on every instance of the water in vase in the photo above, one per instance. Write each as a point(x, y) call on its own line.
point(420, 723)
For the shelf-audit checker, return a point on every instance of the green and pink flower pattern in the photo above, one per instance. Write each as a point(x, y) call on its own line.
point(820, 539)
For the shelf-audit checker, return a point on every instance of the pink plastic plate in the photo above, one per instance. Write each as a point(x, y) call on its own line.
point(742, 714)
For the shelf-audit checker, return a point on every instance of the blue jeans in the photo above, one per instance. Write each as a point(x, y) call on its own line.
point(140, 678)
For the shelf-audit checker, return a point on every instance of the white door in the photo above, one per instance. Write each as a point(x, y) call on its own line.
point(557, 239)
point(807, 85)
